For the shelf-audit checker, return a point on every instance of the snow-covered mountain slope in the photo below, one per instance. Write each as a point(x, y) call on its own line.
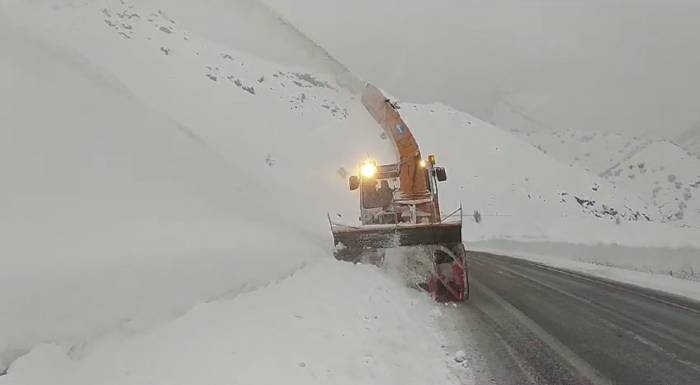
point(153, 167)
point(641, 166)
point(593, 151)
point(668, 175)
point(689, 140)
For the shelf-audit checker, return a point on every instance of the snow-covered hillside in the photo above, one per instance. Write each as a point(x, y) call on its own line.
point(669, 175)
point(594, 151)
point(663, 174)
point(689, 140)
point(155, 173)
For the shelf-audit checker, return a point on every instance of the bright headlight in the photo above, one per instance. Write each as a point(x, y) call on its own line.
point(368, 169)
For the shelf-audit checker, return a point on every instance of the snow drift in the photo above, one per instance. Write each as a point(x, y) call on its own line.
point(288, 333)
point(112, 213)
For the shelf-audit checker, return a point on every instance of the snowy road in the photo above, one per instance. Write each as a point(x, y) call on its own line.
point(535, 324)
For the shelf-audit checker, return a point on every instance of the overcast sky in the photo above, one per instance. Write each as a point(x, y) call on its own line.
point(626, 65)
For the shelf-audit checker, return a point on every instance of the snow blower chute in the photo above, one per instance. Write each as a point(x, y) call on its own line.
point(399, 207)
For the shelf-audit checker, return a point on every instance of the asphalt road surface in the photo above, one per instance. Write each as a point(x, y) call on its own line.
point(527, 323)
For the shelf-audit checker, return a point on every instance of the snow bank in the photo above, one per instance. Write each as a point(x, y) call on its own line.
point(114, 217)
point(654, 268)
point(331, 323)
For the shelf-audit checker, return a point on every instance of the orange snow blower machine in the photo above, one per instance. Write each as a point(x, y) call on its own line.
point(399, 208)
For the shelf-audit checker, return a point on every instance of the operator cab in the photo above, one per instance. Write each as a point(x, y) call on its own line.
point(379, 186)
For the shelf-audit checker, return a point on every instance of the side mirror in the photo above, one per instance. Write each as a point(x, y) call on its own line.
point(441, 174)
point(354, 182)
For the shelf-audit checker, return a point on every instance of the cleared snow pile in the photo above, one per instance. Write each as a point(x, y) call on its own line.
point(332, 323)
point(114, 217)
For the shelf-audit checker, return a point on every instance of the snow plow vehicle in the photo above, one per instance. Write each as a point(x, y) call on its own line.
point(399, 208)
